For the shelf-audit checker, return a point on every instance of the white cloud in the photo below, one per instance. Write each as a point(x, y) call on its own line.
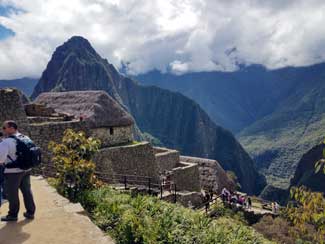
point(182, 35)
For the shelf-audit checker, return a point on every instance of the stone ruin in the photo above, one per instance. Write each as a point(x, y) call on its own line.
point(96, 113)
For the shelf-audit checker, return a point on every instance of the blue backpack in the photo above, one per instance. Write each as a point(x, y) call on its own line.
point(28, 154)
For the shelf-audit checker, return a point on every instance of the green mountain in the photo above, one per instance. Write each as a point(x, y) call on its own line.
point(175, 120)
point(277, 115)
point(278, 141)
point(233, 100)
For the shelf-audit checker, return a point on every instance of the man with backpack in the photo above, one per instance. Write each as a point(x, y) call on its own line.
point(16, 155)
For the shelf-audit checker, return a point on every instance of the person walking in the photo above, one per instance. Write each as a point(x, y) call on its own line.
point(249, 203)
point(15, 178)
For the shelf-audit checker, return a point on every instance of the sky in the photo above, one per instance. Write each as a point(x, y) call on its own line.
point(177, 36)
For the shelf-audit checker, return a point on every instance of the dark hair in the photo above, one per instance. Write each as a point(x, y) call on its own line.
point(11, 124)
point(1, 134)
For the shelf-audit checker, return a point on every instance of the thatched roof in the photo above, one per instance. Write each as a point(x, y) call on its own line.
point(97, 107)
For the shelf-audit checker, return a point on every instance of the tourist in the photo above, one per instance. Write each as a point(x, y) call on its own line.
point(249, 203)
point(207, 200)
point(241, 200)
point(276, 207)
point(15, 178)
point(211, 194)
point(224, 194)
point(273, 207)
point(234, 198)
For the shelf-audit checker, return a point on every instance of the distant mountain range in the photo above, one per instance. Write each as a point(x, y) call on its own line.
point(177, 121)
point(277, 114)
point(26, 85)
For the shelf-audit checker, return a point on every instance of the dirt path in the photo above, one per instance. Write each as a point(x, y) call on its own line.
point(57, 221)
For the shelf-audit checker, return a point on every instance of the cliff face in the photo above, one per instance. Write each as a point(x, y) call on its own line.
point(305, 172)
point(177, 121)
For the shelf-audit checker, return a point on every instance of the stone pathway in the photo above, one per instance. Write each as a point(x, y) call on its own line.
point(57, 221)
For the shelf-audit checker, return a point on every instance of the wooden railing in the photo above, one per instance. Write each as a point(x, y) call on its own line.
point(151, 184)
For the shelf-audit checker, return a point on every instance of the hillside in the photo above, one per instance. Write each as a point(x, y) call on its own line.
point(305, 172)
point(277, 114)
point(233, 100)
point(278, 141)
point(174, 119)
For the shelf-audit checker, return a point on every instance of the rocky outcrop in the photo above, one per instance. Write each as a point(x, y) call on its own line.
point(174, 119)
point(305, 173)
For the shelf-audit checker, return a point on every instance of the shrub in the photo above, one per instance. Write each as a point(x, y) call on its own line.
point(309, 214)
point(277, 229)
point(72, 160)
point(146, 219)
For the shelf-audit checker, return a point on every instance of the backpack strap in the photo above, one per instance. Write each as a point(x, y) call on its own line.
point(10, 158)
point(13, 163)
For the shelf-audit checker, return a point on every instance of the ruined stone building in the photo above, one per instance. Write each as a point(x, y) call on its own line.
point(96, 113)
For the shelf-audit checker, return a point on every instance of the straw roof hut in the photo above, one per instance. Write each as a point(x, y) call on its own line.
point(95, 107)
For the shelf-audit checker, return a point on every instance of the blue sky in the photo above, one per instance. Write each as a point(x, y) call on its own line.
point(4, 31)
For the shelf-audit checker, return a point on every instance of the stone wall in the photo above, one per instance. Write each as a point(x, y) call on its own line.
point(187, 177)
point(166, 159)
point(11, 108)
point(212, 175)
point(43, 133)
point(187, 199)
point(137, 159)
point(113, 135)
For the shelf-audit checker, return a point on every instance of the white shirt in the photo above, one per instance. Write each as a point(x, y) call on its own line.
point(8, 147)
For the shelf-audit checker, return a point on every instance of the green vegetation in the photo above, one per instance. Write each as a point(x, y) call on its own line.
point(145, 219)
point(278, 141)
point(308, 216)
point(137, 219)
point(277, 229)
point(72, 160)
point(302, 221)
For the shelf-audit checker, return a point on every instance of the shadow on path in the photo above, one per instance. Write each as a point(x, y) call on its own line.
point(14, 230)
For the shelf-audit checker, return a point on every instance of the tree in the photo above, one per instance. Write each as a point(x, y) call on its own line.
point(72, 160)
point(308, 215)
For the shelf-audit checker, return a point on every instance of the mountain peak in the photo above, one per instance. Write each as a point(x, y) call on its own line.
point(78, 41)
point(75, 65)
point(78, 45)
